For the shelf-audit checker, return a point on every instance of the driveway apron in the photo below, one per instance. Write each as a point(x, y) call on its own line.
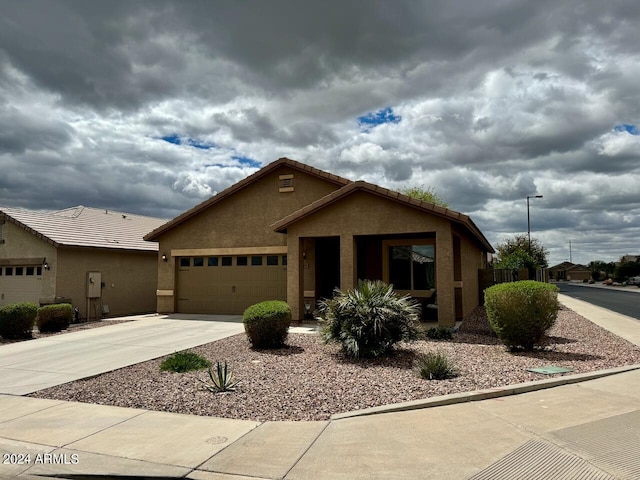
point(33, 365)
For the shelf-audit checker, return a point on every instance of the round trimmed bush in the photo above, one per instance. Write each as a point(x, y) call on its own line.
point(369, 320)
point(54, 318)
point(520, 313)
point(16, 320)
point(267, 323)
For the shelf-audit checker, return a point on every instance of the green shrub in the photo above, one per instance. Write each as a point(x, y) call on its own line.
point(181, 362)
point(54, 318)
point(267, 323)
point(435, 366)
point(439, 333)
point(520, 313)
point(221, 381)
point(369, 320)
point(16, 320)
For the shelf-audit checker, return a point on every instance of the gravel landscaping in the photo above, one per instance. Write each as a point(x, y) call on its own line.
point(311, 381)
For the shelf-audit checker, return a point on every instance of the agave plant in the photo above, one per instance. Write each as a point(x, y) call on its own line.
point(221, 381)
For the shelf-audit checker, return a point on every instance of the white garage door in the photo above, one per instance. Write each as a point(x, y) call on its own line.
point(229, 284)
point(20, 284)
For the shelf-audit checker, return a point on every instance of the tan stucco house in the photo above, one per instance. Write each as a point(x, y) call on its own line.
point(293, 232)
point(569, 271)
point(96, 259)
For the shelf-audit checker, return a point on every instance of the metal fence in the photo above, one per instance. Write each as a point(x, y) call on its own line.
point(493, 276)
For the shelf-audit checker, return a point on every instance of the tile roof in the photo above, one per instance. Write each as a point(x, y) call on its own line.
point(569, 266)
point(86, 227)
point(431, 208)
point(153, 236)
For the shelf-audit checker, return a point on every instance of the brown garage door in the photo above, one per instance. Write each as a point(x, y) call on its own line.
point(229, 284)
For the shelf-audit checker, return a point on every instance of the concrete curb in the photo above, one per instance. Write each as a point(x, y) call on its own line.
point(478, 395)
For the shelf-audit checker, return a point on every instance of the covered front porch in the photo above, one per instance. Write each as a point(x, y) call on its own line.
point(366, 232)
point(407, 261)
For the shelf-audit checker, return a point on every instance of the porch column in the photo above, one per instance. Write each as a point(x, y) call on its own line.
point(445, 278)
point(347, 262)
point(295, 277)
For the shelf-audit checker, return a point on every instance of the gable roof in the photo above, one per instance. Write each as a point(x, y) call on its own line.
point(152, 236)
point(452, 215)
point(568, 266)
point(86, 227)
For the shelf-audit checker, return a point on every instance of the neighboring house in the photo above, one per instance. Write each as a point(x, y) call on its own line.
point(95, 259)
point(293, 232)
point(629, 259)
point(569, 271)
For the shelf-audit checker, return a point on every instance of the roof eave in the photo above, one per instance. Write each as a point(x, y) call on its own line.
point(30, 230)
point(452, 215)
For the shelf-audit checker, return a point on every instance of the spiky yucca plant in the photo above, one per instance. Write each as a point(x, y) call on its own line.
point(221, 381)
point(368, 320)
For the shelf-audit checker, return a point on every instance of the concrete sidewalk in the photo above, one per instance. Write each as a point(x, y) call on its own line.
point(589, 429)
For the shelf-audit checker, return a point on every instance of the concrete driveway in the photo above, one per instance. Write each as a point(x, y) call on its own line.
point(33, 365)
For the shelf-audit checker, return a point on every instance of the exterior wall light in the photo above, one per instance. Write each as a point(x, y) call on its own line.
point(164, 257)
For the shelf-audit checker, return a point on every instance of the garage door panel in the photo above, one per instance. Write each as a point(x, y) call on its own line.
point(20, 286)
point(229, 289)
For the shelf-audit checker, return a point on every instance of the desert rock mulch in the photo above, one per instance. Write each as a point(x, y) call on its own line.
point(309, 380)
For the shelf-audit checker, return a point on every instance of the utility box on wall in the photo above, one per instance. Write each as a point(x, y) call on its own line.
point(94, 284)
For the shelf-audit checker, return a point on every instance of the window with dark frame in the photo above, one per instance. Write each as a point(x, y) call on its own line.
point(256, 260)
point(242, 261)
point(284, 260)
point(272, 260)
point(8, 271)
point(412, 267)
point(39, 271)
point(212, 262)
point(185, 261)
point(227, 261)
point(198, 261)
point(30, 271)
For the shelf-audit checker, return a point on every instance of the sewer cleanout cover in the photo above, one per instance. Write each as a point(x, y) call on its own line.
point(550, 370)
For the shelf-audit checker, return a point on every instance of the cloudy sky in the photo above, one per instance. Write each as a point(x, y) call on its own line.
point(151, 107)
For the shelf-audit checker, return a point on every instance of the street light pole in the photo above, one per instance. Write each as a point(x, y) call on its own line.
point(529, 219)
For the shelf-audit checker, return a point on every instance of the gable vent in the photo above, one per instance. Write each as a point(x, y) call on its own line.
point(286, 183)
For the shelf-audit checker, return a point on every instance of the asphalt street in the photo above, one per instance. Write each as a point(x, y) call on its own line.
point(626, 303)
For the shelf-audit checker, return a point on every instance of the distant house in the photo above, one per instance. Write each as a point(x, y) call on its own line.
point(293, 232)
point(629, 259)
point(569, 271)
point(95, 259)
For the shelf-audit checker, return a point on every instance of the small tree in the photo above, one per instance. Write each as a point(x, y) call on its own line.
point(625, 270)
point(515, 253)
point(597, 267)
point(425, 194)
